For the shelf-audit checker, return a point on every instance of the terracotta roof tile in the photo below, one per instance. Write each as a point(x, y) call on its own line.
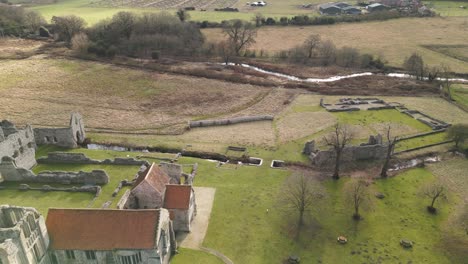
point(177, 196)
point(155, 177)
point(102, 229)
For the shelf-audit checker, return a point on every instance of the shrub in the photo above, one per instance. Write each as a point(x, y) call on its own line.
point(155, 55)
point(80, 43)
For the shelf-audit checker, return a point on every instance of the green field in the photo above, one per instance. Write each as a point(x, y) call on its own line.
point(460, 95)
point(92, 13)
point(186, 255)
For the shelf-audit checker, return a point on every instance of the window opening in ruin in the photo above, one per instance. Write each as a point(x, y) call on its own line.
point(70, 254)
point(27, 134)
point(36, 253)
point(54, 258)
point(55, 140)
point(46, 139)
point(90, 255)
point(78, 136)
point(19, 142)
point(21, 149)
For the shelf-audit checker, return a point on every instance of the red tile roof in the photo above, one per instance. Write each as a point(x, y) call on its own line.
point(102, 229)
point(155, 177)
point(177, 196)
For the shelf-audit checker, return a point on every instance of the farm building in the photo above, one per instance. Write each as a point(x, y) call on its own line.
point(351, 10)
point(330, 9)
point(110, 236)
point(180, 201)
point(148, 190)
point(376, 7)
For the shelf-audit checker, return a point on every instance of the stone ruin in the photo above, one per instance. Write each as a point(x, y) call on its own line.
point(68, 137)
point(356, 104)
point(374, 149)
point(18, 144)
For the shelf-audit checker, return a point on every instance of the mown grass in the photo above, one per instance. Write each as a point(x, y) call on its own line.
point(449, 8)
point(192, 256)
point(420, 141)
point(43, 200)
point(251, 194)
point(460, 95)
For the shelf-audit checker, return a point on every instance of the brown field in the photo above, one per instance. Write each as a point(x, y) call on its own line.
point(44, 91)
point(298, 125)
point(394, 40)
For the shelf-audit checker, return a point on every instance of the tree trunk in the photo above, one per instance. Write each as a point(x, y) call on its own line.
point(336, 173)
point(433, 201)
point(383, 173)
point(299, 223)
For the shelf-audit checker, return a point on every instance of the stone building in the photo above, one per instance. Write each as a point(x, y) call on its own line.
point(23, 236)
point(374, 149)
point(148, 190)
point(18, 144)
point(98, 236)
point(180, 201)
point(68, 137)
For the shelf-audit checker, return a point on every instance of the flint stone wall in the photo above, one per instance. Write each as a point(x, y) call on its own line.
point(69, 137)
point(81, 158)
point(353, 153)
point(223, 122)
point(10, 172)
point(17, 144)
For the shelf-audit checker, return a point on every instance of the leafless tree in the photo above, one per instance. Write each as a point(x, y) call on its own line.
point(338, 140)
point(225, 50)
point(67, 26)
point(446, 82)
point(240, 34)
point(458, 133)
point(328, 52)
point(432, 73)
point(415, 66)
point(434, 191)
point(357, 196)
point(257, 19)
point(391, 141)
point(300, 194)
point(311, 44)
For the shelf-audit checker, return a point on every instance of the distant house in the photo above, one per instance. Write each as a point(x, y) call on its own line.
point(376, 7)
point(180, 201)
point(148, 190)
point(110, 236)
point(341, 4)
point(329, 9)
point(23, 236)
point(351, 10)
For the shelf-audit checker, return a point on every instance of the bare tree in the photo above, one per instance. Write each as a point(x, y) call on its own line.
point(300, 194)
point(446, 82)
point(257, 19)
point(458, 133)
point(338, 140)
point(33, 21)
point(124, 22)
point(328, 52)
point(434, 191)
point(225, 50)
point(357, 196)
point(415, 66)
point(391, 141)
point(183, 15)
point(67, 26)
point(240, 34)
point(311, 44)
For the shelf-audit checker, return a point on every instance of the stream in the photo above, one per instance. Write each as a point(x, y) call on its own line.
point(333, 78)
point(414, 163)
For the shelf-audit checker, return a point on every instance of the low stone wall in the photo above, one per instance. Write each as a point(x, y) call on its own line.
point(10, 172)
point(96, 190)
point(224, 122)
point(80, 158)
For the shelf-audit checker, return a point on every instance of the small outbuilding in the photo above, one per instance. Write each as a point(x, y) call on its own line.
point(351, 10)
point(179, 200)
point(376, 7)
point(330, 9)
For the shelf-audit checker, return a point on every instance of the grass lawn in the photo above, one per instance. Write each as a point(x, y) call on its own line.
point(194, 257)
point(251, 234)
point(420, 141)
point(42, 201)
point(449, 8)
point(460, 95)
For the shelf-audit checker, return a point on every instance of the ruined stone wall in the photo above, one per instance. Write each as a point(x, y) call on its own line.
point(174, 171)
point(352, 153)
point(81, 158)
point(182, 218)
point(224, 122)
point(68, 137)
point(18, 144)
point(10, 172)
point(24, 229)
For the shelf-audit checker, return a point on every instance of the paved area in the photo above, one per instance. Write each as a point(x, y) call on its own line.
point(204, 197)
